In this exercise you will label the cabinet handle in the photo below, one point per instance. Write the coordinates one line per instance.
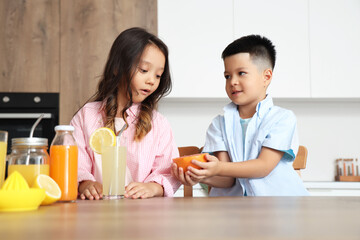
(24, 115)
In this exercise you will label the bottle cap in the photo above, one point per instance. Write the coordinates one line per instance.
(64, 128)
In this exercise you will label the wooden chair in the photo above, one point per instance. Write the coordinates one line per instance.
(300, 159)
(298, 164)
(183, 151)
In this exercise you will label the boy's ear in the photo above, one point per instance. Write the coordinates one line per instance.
(267, 76)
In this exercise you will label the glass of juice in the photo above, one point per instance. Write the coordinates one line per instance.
(113, 160)
(29, 157)
(3, 149)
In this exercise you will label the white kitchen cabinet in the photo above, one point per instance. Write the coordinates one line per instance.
(196, 33)
(317, 43)
(285, 23)
(335, 48)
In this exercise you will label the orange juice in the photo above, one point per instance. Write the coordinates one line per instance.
(3, 148)
(63, 169)
(29, 172)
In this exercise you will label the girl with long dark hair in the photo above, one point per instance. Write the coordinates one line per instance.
(135, 78)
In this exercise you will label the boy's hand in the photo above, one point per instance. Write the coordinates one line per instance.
(184, 178)
(143, 190)
(209, 169)
(90, 190)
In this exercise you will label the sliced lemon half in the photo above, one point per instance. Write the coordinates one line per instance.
(52, 189)
(102, 137)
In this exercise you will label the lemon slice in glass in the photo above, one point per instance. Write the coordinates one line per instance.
(102, 137)
(52, 189)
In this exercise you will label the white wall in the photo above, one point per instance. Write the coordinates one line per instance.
(329, 128)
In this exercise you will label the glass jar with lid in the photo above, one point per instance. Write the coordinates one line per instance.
(29, 157)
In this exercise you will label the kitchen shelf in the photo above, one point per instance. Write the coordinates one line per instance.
(348, 178)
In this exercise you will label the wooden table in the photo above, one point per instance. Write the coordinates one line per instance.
(190, 218)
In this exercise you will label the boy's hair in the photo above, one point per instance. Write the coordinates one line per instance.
(119, 70)
(260, 49)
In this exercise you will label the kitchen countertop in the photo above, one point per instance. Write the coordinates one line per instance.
(333, 185)
(316, 188)
(190, 218)
(333, 188)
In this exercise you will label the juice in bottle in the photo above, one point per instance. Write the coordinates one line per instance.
(64, 162)
(30, 172)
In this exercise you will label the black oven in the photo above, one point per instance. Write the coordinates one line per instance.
(19, 111)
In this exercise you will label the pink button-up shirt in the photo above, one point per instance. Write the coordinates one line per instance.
(147, 161)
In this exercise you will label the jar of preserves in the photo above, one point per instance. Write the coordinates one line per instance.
(29, 157)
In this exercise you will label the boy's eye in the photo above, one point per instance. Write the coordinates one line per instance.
(227, 76)
(241, 73)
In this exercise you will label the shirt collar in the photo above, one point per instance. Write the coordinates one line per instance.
(132, 111)
(261, 108)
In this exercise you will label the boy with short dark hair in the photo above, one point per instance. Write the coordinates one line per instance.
(254, 143)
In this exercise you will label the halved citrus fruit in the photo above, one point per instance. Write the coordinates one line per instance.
(102, 137)
(52, 189)
(185, 161)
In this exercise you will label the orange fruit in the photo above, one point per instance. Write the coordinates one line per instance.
(185, 161)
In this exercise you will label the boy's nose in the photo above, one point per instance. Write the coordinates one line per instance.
(234, 81)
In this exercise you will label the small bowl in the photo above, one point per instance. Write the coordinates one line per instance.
(185, 161)
(21, 200)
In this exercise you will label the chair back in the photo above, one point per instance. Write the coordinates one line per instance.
(189, 150)
(300, 159)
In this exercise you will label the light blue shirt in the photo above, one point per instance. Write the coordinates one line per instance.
(244, 123)
(271, 127)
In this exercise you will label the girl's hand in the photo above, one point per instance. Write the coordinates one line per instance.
(90, 190)
(143, 190)
(209, 169)
(184, 178)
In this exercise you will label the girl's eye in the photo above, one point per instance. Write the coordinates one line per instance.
(143, 70)
(158, 76)
(227, 76)
(241, 73)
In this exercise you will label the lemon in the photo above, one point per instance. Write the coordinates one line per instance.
(52, 189)
(102, 137)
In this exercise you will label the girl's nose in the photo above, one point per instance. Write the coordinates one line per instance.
(150, 80)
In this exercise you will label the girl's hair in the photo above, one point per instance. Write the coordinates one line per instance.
(119, 70)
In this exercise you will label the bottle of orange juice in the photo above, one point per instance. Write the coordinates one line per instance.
(64, 162)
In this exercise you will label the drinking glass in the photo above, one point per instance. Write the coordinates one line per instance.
(113, 160)
(3, 149)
